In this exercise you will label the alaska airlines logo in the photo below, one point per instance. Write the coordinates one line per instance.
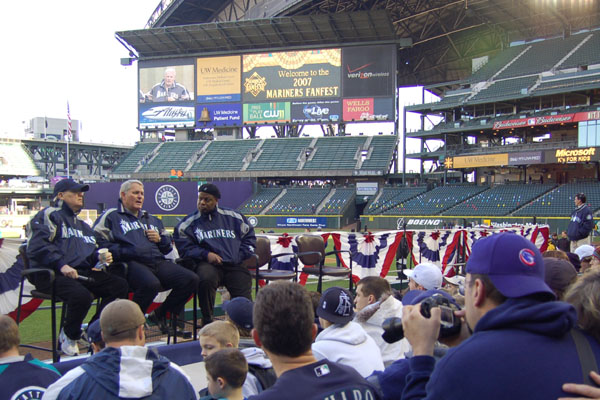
(169, 113)
(214, 234)
(167, 198)
(255, 84)
(68, 232)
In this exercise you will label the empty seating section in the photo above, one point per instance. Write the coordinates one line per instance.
(259, 201)
(225, 155)
(16, 160)
(299, 201)
(129, 164)
(391, 197)
(338, 202)
(335, 153)
(495, 64)
(587, 54)
(506, 88)
(560, 201)
(592, 79)
(279, 154)
(499, 200)
(172, 155)
(542, 56)
(436, 201)
(381, 156)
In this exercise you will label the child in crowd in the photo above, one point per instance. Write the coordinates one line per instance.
(220, 335)
(226, 371)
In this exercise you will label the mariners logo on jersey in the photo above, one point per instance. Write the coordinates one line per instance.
(127, 226)
(68, 232)
(167, 197)
(29, 393)
(214, 234)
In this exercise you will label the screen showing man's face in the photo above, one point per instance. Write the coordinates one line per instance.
(169, 78)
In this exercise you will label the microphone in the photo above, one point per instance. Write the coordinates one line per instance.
(85, 279)
(145, 217)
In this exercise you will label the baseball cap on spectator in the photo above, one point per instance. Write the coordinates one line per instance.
(457, 280)
(559, 274)
(336, 306)
(424, 294)
(584, 251)
(514, 264)
(210, 189)
(426, 274)
(65, 185)
(239, 310)
(574, 259)
(93, 332)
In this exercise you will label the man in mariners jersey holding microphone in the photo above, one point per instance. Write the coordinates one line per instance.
(215, 241)
(138, 238)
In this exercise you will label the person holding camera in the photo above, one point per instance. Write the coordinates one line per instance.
(519, 332)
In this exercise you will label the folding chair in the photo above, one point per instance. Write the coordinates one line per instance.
(36, 294)
(311, 251)
(264, 257)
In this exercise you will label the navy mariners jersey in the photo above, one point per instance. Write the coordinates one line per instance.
(222, 231)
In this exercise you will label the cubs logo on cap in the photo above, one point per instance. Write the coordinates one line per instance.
(527, 257)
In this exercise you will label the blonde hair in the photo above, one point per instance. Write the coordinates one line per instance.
(223, 332)
(584, 295)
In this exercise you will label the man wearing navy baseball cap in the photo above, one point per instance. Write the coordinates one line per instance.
(61, 242)
(518, 333)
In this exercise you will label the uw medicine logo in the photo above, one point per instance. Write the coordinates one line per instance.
(167, 198)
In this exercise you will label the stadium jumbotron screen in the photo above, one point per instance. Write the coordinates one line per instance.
(352, 84)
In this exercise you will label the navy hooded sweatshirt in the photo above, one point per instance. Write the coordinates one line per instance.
(521, 349)
(222, 231)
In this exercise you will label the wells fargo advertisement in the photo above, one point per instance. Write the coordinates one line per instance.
(218, 79)
(291, 75)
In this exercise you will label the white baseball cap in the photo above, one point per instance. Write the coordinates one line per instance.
(427, 275)
(584, 251)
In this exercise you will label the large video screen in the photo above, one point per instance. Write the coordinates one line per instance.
(352, 84)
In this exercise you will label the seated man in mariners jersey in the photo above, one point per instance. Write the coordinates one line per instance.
(139, 239)
(216, 241)
(63, 243)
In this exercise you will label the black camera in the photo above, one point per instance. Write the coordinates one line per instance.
(449, 326)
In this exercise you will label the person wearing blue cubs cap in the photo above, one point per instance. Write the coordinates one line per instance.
(521, 343)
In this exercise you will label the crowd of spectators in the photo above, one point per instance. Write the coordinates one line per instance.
(517, 325)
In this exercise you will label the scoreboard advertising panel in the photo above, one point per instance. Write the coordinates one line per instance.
(352, 84)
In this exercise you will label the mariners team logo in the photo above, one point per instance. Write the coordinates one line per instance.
(167, 198)
(253, 221)
(29, 393)
(527, 257)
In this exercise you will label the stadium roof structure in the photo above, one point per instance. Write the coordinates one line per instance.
(445, 35)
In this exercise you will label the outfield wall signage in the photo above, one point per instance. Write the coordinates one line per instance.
(264, 113)
(291, 75)
(301, 222)
(567, 156)
(316, 111)
(227, 114)
(218, 79)
(527, 157)
(366, 188)
(486, 160)
(350, 84)
(547, 120)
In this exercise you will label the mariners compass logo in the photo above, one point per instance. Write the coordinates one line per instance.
(167, 198)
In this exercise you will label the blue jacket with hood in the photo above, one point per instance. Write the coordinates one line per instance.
(124, 235)
(521, 349)
(221, 231)
(57, 237)
(125, 372)
(582, 223)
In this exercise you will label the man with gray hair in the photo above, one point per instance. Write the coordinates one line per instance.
(125, 368)
(138, 238)
(168, 89)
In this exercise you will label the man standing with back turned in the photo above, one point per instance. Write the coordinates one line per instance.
(140, 239)
(215, 241)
